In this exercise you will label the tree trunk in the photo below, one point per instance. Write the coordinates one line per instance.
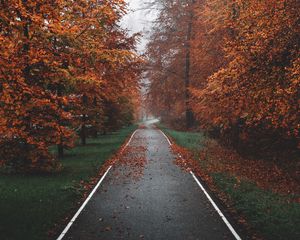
(84, 119)
(83, 134)
(60, 150)
(188, 111)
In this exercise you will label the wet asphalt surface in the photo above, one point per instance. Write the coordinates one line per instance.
(156, 200)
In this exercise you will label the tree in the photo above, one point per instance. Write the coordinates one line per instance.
(169, 60)
(255, 93)
(240, 62)
(53, 55)
(30, 68)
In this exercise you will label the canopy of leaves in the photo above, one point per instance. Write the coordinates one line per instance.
(59, 62)
(244, 67)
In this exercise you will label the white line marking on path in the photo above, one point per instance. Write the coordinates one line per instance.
(166, 137)
(67, 228)
(82, 206)
(130, 140)
(216, 208)
(237, 237)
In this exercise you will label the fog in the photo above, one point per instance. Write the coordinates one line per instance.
(139, 19)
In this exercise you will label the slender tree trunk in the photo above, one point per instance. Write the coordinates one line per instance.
(60, 150)
(60, 145)
(26, 70)
(83, 132)
(95, 133)
(84, 119)
(188, 111)
(26, 45)
(95, 127)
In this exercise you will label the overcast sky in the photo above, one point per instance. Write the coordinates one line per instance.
(138, 19)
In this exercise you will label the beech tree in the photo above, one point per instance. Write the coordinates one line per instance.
(244, 68)
(53, 55)
(169, 58)
(32, 76)
(257, 90)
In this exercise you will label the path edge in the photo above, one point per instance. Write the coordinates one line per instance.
(217, 209)
(73, 219)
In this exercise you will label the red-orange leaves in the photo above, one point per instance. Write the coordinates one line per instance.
(258, 89)
(52, 55)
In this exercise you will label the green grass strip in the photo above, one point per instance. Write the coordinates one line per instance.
(31, 205)
(269, 213)
(190, 140)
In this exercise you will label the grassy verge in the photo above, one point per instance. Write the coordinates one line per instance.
(31, 205)
(190, 140)
(272, 215)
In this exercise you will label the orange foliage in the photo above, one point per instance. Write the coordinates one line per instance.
(166, 55)
(52, 54)
(245, 65)
(259, 86)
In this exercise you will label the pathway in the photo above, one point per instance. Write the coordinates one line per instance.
(148, 197)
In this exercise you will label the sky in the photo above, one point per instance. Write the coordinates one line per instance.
(138, 19)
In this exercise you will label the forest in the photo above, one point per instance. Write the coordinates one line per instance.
(230, 68)
(67, 71)
(160, 134)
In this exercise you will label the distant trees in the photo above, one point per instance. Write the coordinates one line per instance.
(169, 61)
(244, 67)
(60, 63)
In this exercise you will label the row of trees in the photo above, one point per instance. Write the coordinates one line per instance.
(66, 68)
(234, 63)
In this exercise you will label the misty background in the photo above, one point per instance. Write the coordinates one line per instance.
(139, 20)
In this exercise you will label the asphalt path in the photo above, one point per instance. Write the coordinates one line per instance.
(146, 196)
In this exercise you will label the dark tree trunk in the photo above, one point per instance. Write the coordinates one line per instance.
(188, 111)
(26, 44)
(60, 150)
(60, 145)
(83, 134)
(94, 133)
(84, 119)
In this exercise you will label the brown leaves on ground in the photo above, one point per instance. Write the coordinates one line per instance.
(186, 161)
(266, 174)
(132, 162)
(132, 158)
(215, 158)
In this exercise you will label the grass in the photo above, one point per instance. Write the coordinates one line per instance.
(270, 214)
(190, 140)
(31, 205)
